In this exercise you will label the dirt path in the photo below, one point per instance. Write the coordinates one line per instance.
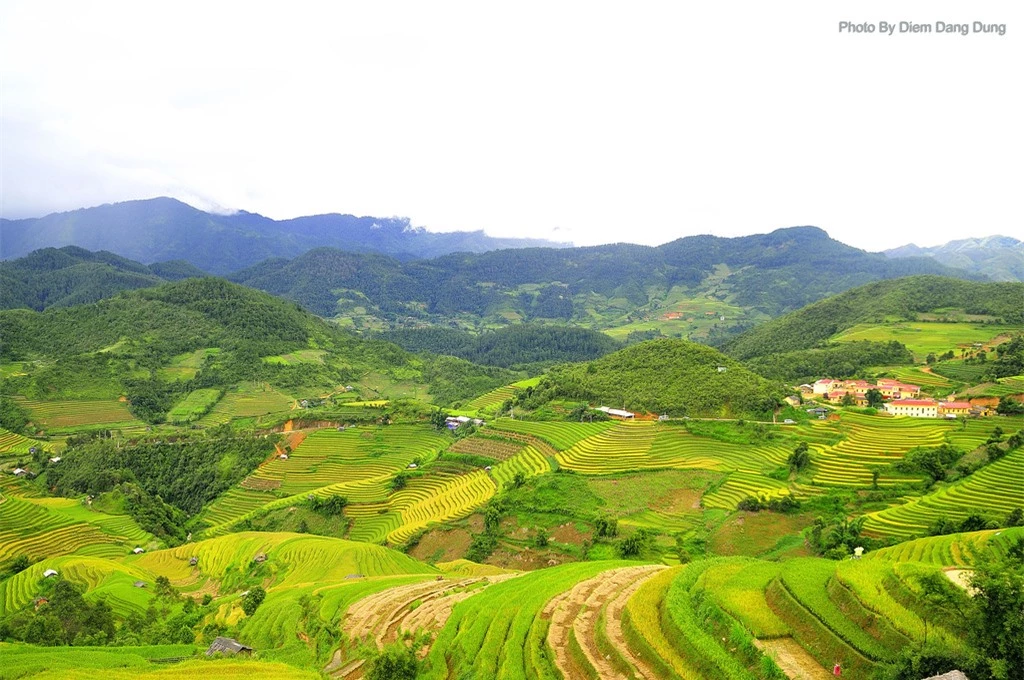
(793, 659)
(576, 613)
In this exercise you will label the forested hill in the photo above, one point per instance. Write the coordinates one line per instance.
(166, 229)
(67, 276)
(676, 377)
(523, 345)
(773, 273)
(125, 344)
(899, 298)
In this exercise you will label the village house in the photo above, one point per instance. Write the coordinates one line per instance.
(227, 646)
(915, 408)
(49, 572)
(792, 401)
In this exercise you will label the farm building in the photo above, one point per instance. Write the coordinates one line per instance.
(952, 675)
(226, 645)
(55, 459)
(139, 584)
(18, 472)
(792, 401)
(617, 413)
(260, 558)
(952, 409)
(193, 562)
(138, 551)
(915, 408)
(49, 572)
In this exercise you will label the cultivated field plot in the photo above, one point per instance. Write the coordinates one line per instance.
(302, 356)
(561, 435)
(917, 375)
(923, 337)
(646, 445)
(489, 446)
(872, 442)
(246, 401)
(13, 443)
(57, 416)
(356, 454)
(952, 550)
(186, 366)
(497, 397)
(994, 491)
(47, 527)
(193, 406)
(1004, 387)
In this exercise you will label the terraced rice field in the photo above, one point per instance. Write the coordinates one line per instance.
(872, 441)
(994, 490)
(952, 550)
(924, 337)
(68, 415)
(916, 375)
(438, 498)
(561, 435)
(497, 397)
(740, 485)
(329, 457)
(491, 447)
(47, 527)
(645, 445)
(186, 366)
(529, 461)
(11, 442)
(102, 577)
(247, 401)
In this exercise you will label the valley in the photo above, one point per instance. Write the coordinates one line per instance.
(200, 461)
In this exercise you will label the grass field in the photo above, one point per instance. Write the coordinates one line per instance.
(186, 366)
(925, 337)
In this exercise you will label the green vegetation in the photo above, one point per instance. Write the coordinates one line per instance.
(661, 376)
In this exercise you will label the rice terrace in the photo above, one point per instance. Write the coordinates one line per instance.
(679, 476)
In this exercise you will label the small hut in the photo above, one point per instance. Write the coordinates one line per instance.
(260, 558)
(227, 646)
(139, 584)
(49, 572)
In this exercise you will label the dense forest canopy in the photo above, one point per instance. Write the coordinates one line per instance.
(512, 346)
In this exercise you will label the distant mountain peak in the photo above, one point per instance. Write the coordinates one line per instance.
(998, 257)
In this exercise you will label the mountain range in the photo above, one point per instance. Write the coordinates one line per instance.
(160, 229)
(1000, 258)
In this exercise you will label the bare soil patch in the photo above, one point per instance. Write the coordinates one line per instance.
(568, 533)
(442, 545)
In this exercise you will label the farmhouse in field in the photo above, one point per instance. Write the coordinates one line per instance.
(49, 572)
(226, 645)
(952, 675)
(139, 584)
(138, 551)
(18, 472)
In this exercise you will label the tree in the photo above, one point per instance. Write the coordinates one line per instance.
(1008, 406)
(252, 601)
(395, 662)
(875, 398)
(800, 458)
(848, 400)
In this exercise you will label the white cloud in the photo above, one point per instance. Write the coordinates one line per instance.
(596, 122)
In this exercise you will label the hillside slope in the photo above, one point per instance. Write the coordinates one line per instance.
(899, 298)
(771, 273)
(68, 276)
(663, 376)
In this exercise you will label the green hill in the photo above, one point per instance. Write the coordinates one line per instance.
(158, 344)
(68, 276)
(664, 376)
(898, 299)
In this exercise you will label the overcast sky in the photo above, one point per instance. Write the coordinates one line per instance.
(588, 122)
